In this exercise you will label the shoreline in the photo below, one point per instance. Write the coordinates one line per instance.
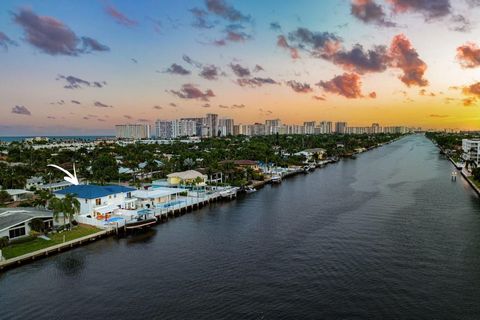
(455, 165)
(12, 263)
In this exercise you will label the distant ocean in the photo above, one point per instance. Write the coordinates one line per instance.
(57, 138)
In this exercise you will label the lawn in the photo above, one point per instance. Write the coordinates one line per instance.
(476, 182)
(24, 247)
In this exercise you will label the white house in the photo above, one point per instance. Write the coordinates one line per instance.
(471, 150)
(19, 194)
(15, 222)
(98, 200)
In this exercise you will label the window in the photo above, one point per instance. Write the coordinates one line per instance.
(18, 232)
(129, 194)
(98, 201)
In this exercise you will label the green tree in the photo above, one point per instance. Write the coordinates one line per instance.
(104, 168)
(4, 197)
(37, 225)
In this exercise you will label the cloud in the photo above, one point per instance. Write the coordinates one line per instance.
(424, 92)
(5, 41)
(206, 105)
(126, 116)
(200, 19)
(89, 45)
(190, 61)
(283, 43)
(209, 72)
(347, 85)
(143, 120)
(134, 60)
(258, 68)
(233, 33)
(275, 26)
(406, 58)
(52, 36)
(370, 12)
(223, 106)
(430, 9)
(75, 101)
(321, 98)
(221, 9)
(177, 69)
(318, 44)
(77, 83)
(472, 92)
(238, 106)
(255, 82)
(21, 110)
(239, 70)
(101, 105)
(439, 116)
(119, 17)
(460, 23)
(51, 117)
(360, 61)
(157, 107)
(189, 91)
(299, 87)
(372, 95)
(468, 55)
(174, 105)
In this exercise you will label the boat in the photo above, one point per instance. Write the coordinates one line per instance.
(250, 189)
(276, 178)
(306, 169)
(140, 223)
(312, 167)
(228, 193)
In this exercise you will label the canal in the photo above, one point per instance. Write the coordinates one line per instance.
(385, 236)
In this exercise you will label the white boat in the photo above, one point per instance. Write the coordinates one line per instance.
(276, 179)
(250, 189)
(228, 193)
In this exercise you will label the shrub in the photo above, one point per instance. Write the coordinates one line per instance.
(3, 242)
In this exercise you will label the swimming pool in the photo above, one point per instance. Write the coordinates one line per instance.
(114, 219)
(170, 204)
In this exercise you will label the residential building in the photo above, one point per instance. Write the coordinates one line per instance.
(310, 127)
(471, 150)
(184, 128)
(211, 122)
(340, 127)
(226, 126)
(15, 222)
(325, 127)
(189, 177)
(34, 183)
(199, 124)
(132, 131)
(272, 126)
(376, 128)
(99, 200)
(19, 194)
(164, 129)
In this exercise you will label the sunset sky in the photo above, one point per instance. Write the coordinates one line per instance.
(80, 67)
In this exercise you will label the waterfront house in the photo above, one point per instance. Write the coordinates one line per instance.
(242, 164)
(157, 197)
(189, 177)
(99, 201)
(15, 222)
(33, 183)
(55, 186)
(19, 194)
(471, 150)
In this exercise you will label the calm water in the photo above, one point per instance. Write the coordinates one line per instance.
(386, 236)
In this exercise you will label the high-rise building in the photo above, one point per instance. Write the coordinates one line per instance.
(199, 123)
(132, 131)
(184, 128)
(272, 126)
(325, 127)
(257, 129)
(471, 150)
(211, 122)
(310, 127)
(225, 126)
(164, 129)
(340, 127)
(376, 128)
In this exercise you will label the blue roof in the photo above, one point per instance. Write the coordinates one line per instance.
(92, 191)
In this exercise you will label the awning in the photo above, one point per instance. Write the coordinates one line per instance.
(106, 209)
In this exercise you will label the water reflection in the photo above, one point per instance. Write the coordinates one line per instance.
(70, 263)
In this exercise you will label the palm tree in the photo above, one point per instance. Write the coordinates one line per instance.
(43, 196)
(56, 205)
(71, 206)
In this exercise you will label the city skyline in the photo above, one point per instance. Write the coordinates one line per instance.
(359, 61)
